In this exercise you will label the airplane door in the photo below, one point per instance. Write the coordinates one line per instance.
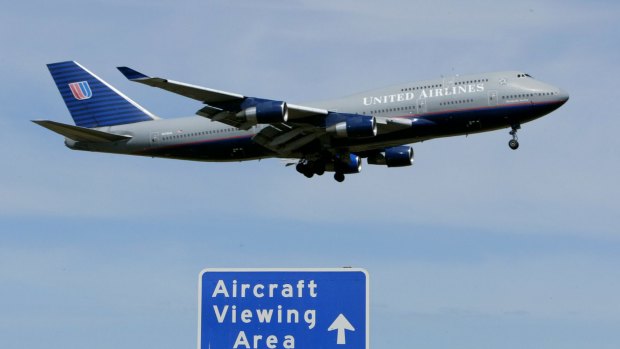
(448, 82)
(421, 105)
(492, 98)
(154, 139)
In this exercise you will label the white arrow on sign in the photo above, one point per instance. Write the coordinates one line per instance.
(341, 324)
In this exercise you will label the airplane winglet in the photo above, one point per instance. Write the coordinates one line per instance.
(132, 74)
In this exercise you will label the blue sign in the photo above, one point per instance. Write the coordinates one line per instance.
(283, 308)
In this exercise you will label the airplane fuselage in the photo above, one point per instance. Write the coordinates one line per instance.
(444, 107)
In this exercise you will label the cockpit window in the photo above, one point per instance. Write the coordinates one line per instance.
(523, 75)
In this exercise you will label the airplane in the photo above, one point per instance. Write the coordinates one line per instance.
(329, 136)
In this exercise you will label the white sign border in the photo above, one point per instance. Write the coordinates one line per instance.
(251, 270)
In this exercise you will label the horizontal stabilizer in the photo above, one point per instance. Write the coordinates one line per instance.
(80, 134)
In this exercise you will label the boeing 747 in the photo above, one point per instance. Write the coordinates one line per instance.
(324, 136)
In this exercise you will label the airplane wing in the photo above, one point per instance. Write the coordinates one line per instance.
(199, 93)
(387, 124)
(210, 96)
(290, 126)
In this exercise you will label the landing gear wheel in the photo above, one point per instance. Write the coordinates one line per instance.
(513, 144)
(300, 167)
(305, 169)
(339, 177)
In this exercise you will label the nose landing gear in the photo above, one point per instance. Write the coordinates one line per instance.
(514, 142)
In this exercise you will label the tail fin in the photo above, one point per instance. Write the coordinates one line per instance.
(91, 101)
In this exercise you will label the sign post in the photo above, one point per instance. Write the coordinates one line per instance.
(283, 308)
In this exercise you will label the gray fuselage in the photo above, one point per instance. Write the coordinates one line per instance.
(453, 106)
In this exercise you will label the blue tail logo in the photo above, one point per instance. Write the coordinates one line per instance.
(93, 102)
(81, 90)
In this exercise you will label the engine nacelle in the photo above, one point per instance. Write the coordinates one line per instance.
(353, 126)
(393, 157)
(265, 113)
(346, 164)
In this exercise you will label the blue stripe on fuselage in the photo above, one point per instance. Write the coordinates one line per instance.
(536, 110)
(222, 149)
(448, 122)
(455, 122)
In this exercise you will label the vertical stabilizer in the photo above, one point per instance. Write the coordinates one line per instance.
(91, 101)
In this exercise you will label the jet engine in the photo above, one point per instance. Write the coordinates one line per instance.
(265, 113)
(393, 157)
(352, 126)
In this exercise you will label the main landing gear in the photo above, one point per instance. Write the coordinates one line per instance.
(310, 168)
(339, 176)
(514, 142)
(316, 167)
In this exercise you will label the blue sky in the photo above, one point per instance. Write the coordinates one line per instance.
(475, 246)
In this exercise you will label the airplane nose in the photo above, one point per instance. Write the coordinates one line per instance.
(563, 96)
